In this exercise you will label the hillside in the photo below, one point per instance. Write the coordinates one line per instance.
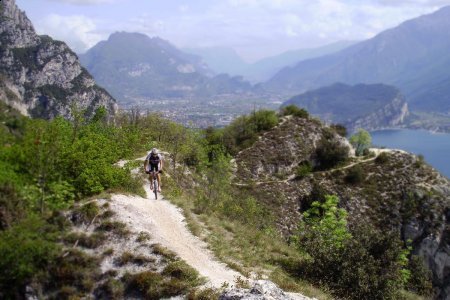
(133, 66)
(413, 56)
(42, 77)
(393, 192)
(361, 106)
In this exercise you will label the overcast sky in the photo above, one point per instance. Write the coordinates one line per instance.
(254, 28)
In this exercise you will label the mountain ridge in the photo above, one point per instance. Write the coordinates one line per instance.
(405, 56)
(44, 75)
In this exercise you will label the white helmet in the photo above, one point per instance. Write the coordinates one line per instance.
(154, 151)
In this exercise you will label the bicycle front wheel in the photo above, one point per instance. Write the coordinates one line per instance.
(155, 189)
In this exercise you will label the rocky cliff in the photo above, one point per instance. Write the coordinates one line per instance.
(43, 77)
(394, 191)
(368, 106)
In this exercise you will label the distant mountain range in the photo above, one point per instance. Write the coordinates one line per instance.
(365, 106)
(133, 66)
(41, 77)
(415, 57)
(226, 60)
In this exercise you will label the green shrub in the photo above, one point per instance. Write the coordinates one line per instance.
(294, 110)
(361, 141)
(355, 175)
(361, 264)
(420, 281)
(303, 169)
(382, 158)
(330, 152)
(26, 250)
(340, 129)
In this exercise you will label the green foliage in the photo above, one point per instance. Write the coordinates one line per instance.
(327, 223)
(339, 129)
(25, 250)
(294, 110)
(361, 141)
(420, 279)
(382, 158)
(179, 280)
(359, 264)
(243, 131)
(303, 169)
(330, 152)
(355, 175)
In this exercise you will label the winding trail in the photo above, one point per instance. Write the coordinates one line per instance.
(166, 225)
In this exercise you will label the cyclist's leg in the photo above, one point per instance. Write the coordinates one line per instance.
(158, 177)
(151, 175)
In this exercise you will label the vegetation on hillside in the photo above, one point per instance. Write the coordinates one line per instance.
(48, 167)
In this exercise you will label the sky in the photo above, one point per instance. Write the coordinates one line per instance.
(254, 28)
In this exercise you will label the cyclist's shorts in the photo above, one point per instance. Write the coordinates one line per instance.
(154, 167)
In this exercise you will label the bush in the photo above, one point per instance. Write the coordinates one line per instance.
(303, 169)
(294, 110)
(340, 129)
(382, 158)
(359, 264)
(243, 131)
(26, 250)
(361, 141)
(355, 175)
(330, 152)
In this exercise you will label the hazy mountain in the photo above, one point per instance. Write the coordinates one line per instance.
(42, 77)
(133, 65)
(415, 56)
(370, 107)
(265, 68)
(226, 60)
(220, 59)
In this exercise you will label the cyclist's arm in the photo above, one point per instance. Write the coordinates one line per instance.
(161, 164)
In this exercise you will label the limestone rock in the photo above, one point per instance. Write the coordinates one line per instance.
(261, 290)
(44, 75)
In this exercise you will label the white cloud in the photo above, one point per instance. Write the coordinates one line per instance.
(84, 2)
(78, 31)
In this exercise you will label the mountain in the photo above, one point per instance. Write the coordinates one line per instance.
(134, 66)
(414, 56)
(392, 191)
(220, 59)
(370, 107)
(226, 60)
(42, 77)
(265, 68)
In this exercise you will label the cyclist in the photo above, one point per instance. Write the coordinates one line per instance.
(154, 163)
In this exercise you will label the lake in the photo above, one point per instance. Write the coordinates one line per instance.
(435, 147)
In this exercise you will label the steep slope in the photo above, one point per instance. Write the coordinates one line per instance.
(413, 56)
(133, 66)
(361, 106)
(397, 192)
(43, 76)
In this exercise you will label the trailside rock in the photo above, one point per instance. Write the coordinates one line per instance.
(261, 290)
(44, 76)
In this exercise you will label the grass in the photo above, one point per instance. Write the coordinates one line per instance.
(116, 227)
(243, 247)
(130, 258)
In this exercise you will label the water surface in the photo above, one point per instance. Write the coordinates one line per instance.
(435, 147)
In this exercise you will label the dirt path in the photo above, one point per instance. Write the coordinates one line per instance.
(166, 226)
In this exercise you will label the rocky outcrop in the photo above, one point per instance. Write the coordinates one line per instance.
(44, 75)
(261, 290)
(398, 193)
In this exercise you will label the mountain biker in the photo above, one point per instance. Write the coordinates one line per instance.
(154, 163)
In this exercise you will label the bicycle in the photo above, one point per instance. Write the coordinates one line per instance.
(155, 183)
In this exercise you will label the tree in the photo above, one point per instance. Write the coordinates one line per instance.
(361, 141)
